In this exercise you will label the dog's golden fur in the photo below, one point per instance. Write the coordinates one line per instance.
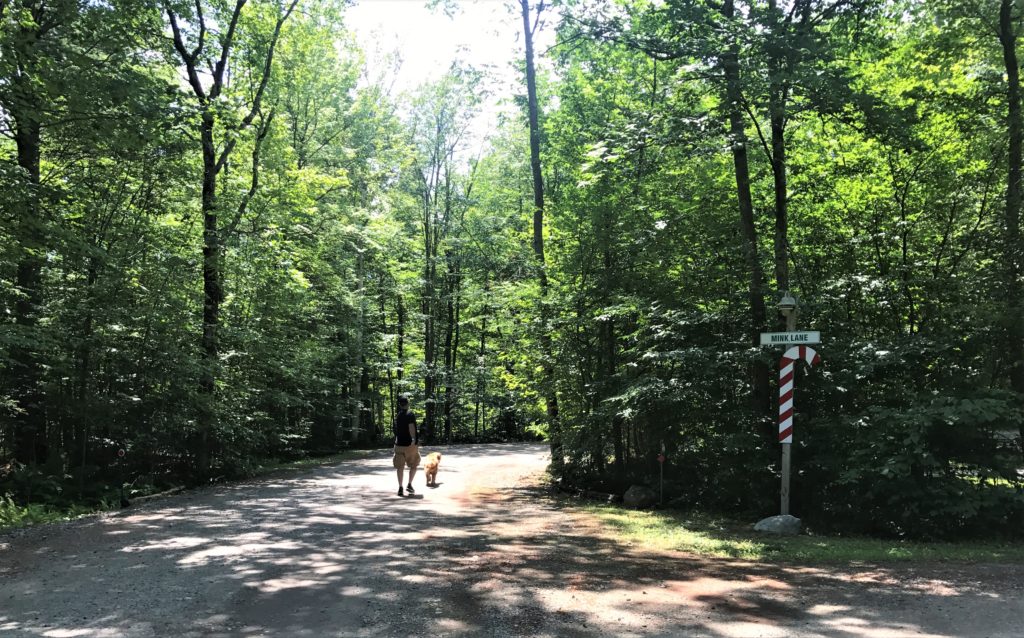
(432, 461)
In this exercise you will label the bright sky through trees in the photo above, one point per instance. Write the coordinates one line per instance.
(483, 33)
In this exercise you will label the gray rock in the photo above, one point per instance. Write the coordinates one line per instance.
(783, 525)
(638, 496)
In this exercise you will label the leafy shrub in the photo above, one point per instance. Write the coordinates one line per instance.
(931, 456)
(14, 515)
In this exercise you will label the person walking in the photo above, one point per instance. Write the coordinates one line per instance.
(407, 452)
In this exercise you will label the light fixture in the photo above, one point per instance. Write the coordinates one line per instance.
(788, 303)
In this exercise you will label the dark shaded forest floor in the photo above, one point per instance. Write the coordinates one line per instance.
(334, 552)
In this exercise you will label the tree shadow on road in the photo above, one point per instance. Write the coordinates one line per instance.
(328, 554)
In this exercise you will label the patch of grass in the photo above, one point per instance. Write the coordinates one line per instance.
(13, 515)
(718, 537)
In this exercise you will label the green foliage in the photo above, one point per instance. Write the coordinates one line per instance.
(908, 464)
(13, 515)
(893, 234)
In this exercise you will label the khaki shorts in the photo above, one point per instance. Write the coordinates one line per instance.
(408, 455)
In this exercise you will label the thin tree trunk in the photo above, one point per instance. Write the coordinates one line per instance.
(452, 390)
(734, 100)
(429, 348)
(214, 162)
(777, 107)
(391, 381)
(363, 421)
(26, 367)
(481, 359)
(451, 344)
(778, 97)
(480, 376)
(449, 340)
(213, 295)
(81, 420)
(547, 350)
(401, 340)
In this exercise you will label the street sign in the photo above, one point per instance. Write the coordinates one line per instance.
(786, 338)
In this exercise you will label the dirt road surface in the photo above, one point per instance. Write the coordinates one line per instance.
(334, 551)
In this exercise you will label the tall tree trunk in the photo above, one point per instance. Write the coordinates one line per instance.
(451, 355)
(428, 308)
(608, 346)
(452, 390)
(363, 422)
(755, 294)
(401, 340)
(26, 366)
(391, 380)
(80, 435)
(1012, 240)
(547, 350)
(213, 295)
(778, 94)
(449, 340)
(215, 161)
(610, 357)
(481, 359)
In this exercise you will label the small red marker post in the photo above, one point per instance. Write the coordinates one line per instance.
(661, 467)
(120, 457)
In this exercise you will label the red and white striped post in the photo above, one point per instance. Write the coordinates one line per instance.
(787, 369)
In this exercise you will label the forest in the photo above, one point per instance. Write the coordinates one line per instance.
(225, 239)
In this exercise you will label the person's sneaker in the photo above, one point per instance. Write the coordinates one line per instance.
(408, 488)
(400, 492)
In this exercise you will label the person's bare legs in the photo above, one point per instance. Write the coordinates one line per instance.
(401, 474)
(412, 473)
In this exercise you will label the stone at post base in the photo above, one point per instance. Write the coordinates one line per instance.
(782, 525)
(638, 496)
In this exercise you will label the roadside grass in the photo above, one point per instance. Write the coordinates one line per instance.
(13, 515)
(718, 537)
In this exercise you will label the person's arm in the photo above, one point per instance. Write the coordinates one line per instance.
(412, 430)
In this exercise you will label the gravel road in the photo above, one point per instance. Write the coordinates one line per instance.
(334, 552)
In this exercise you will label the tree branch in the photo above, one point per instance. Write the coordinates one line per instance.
(760, 134)
(268, 64)
(254, 183)
(186, 57)
(536, 22)
(225, 49)
(223, 159)
(202, 30)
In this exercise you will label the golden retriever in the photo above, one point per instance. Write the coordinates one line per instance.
(430, 466)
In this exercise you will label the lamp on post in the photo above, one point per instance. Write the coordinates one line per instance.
(788, 308)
